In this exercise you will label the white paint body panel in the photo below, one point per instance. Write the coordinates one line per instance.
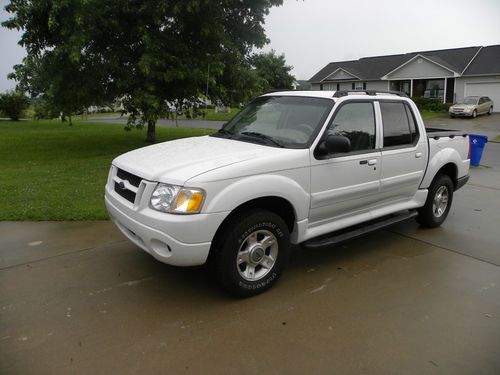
(326, 195)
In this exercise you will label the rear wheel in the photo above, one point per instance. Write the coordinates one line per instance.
(252, 253)
(490, 111)
(438, 203)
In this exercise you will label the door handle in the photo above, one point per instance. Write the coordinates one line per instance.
(372, 161)
(418, 155)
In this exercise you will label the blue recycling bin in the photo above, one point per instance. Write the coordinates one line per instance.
(477, 143)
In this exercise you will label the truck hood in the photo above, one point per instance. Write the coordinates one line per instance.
(177, 161)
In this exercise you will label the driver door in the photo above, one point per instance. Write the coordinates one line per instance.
(347, 184)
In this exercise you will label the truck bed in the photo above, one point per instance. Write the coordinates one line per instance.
(438, 133)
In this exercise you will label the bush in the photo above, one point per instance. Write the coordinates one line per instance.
(43, 110)
(13, 104)
(430, 104)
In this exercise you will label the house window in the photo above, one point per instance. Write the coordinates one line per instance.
(434, 88)
(359, 86)
(329, 86)
(338, 86)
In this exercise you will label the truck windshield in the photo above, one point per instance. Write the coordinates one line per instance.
(279, 121)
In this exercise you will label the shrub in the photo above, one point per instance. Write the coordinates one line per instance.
(430, 104)
(13, 104)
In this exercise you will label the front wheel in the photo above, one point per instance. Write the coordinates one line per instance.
(252, 253)
(474, 114)
(438, 203)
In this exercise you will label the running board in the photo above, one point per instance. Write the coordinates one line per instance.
(357, 230)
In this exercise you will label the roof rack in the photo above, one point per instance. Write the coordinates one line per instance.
(339, 94)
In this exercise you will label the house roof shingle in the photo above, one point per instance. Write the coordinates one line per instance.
(487, 61)
(455, 59)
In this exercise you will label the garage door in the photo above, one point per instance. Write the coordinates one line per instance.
(491, 89)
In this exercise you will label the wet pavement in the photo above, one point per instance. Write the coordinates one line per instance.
(77, 298)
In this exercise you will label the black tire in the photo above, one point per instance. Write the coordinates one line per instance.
(432, 214)
(490, 111)
(266, 235)
(474, 114)
(452, 115)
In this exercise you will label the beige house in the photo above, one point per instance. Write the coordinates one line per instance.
(448, 75)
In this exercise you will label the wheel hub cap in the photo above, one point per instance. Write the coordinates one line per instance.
(257, 255)
(440, 201)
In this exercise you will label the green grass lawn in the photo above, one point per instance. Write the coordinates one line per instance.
(218, 116)
(429, 115)
(51, 171)
(211, 115)
(97, 115)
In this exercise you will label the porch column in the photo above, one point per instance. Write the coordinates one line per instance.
(445, 83)
(411, 88)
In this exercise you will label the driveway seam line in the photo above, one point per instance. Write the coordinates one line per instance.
(60, 255)
(485, 187)
(444, 248)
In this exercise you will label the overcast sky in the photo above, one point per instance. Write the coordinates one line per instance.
(312, 33)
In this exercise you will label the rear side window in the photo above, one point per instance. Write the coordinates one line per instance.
(355, 121)
(399, 124)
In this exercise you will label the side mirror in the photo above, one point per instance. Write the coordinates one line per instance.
(334, 144)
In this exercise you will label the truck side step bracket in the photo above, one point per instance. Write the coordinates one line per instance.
(342, 235)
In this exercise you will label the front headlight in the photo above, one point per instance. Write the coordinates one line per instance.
(177, 200)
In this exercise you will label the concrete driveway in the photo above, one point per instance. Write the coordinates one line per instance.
(77, 298)
(488, 125)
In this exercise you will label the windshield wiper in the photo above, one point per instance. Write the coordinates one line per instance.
(224, 132)
(265, 137)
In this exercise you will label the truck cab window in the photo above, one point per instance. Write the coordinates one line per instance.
(397, 130)
(355, 121)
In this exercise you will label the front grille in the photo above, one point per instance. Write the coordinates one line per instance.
(120, 187)
(125, 193)
(124, 175)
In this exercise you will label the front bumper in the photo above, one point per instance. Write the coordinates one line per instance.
(461, 114)
(179, 240)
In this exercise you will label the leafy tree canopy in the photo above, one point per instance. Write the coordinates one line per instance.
(84, 52)
(272, 71)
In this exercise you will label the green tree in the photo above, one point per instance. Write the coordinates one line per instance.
(13, 104)
(148, 53)
(272, 71)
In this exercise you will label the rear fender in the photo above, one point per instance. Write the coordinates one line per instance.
(439, 160)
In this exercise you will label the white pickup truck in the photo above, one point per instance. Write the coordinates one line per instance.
(310, 168)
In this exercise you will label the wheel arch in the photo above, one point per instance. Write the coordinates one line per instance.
(278, 205)
(449, 169)
(446, 161)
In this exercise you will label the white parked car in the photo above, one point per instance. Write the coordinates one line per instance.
(472, 106)
(290, 168)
